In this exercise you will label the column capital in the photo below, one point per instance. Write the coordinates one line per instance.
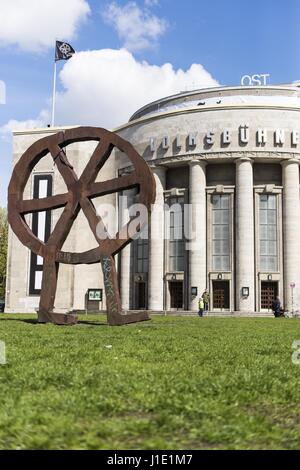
(289, 161)
(197, 162)
(157, 169)
(244, 159)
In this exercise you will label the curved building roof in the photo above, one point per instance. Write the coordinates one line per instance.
(281, 95)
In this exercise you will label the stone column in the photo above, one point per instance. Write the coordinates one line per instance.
(157, 242)
(245, 273)
(197, 231)
(291, 232)
(126, 252)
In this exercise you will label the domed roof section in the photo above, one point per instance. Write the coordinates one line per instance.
(281, 95)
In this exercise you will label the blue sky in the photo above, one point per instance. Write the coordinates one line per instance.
(228, 38)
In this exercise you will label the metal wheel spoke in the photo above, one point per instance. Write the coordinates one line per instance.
(94, 220)
(42, 204)
(63, 165)
(97, 160)
(123, 234)
(63, 226)
(113, 185)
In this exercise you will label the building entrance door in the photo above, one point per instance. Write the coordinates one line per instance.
(221, 295)
(141, 300)
(269, 290)
(176, 295)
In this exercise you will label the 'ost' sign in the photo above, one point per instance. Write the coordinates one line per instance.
(255, 80)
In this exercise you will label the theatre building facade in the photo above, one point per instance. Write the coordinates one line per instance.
(226, 166)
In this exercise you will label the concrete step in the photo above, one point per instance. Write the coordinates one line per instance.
(182, 313)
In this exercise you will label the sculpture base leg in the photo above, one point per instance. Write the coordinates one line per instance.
(57, 318)
(49, 282)
(124, 319)
(115, 317)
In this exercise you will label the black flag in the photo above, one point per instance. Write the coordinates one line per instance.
(63, 51)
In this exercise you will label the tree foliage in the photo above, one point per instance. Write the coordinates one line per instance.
(3, 250)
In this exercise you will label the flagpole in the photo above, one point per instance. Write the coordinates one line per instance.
(53, 96)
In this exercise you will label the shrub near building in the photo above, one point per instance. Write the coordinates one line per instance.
(3, 252)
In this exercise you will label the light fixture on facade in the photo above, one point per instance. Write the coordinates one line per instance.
(245, 292)
(194, 291)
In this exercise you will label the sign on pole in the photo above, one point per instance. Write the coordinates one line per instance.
(292, 286)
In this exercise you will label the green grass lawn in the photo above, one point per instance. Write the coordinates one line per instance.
(172, 383)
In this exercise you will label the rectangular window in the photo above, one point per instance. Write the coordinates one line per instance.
(176, 238)
(41, 227)
(141, 255)
(220, 232)
(268, 233)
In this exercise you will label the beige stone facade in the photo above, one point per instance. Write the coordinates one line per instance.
(229, 157)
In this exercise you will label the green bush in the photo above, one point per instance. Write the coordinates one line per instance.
(3, 251)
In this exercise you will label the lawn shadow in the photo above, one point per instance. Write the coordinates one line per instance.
(32, 321)
(95, 323)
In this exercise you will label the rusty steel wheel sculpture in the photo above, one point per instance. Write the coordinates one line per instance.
(80, 193)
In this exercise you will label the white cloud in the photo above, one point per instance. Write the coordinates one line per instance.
(104, 87)
(13, 125)
(151, 3)
(138, 28)
(33, 25)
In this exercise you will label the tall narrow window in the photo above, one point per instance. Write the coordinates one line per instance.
(220, 232)
(176, 242)
(141, 258)
(268, 233)
(41, 227)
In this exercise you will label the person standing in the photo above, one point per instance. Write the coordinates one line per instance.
(201, 307)
(206, 298)
(276, 307)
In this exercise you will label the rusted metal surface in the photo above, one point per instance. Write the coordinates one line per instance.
(80, 193)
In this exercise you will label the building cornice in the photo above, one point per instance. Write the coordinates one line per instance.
(206, 158)
(42, 130)
(165, 114)
(217, 92)
(271, 157)
(196, 109)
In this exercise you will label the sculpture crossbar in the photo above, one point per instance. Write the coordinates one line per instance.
(80, 193)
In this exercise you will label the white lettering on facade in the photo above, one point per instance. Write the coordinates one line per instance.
(210, 138)
(165, 143)
(152, 145)
(244, 134)
(295, 137)
(279, 137)
(226, 137)
(178, 142)
(262, 136)
(192, 140)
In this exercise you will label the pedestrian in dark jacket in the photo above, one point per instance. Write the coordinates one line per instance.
(276, 307)
(205, 297)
